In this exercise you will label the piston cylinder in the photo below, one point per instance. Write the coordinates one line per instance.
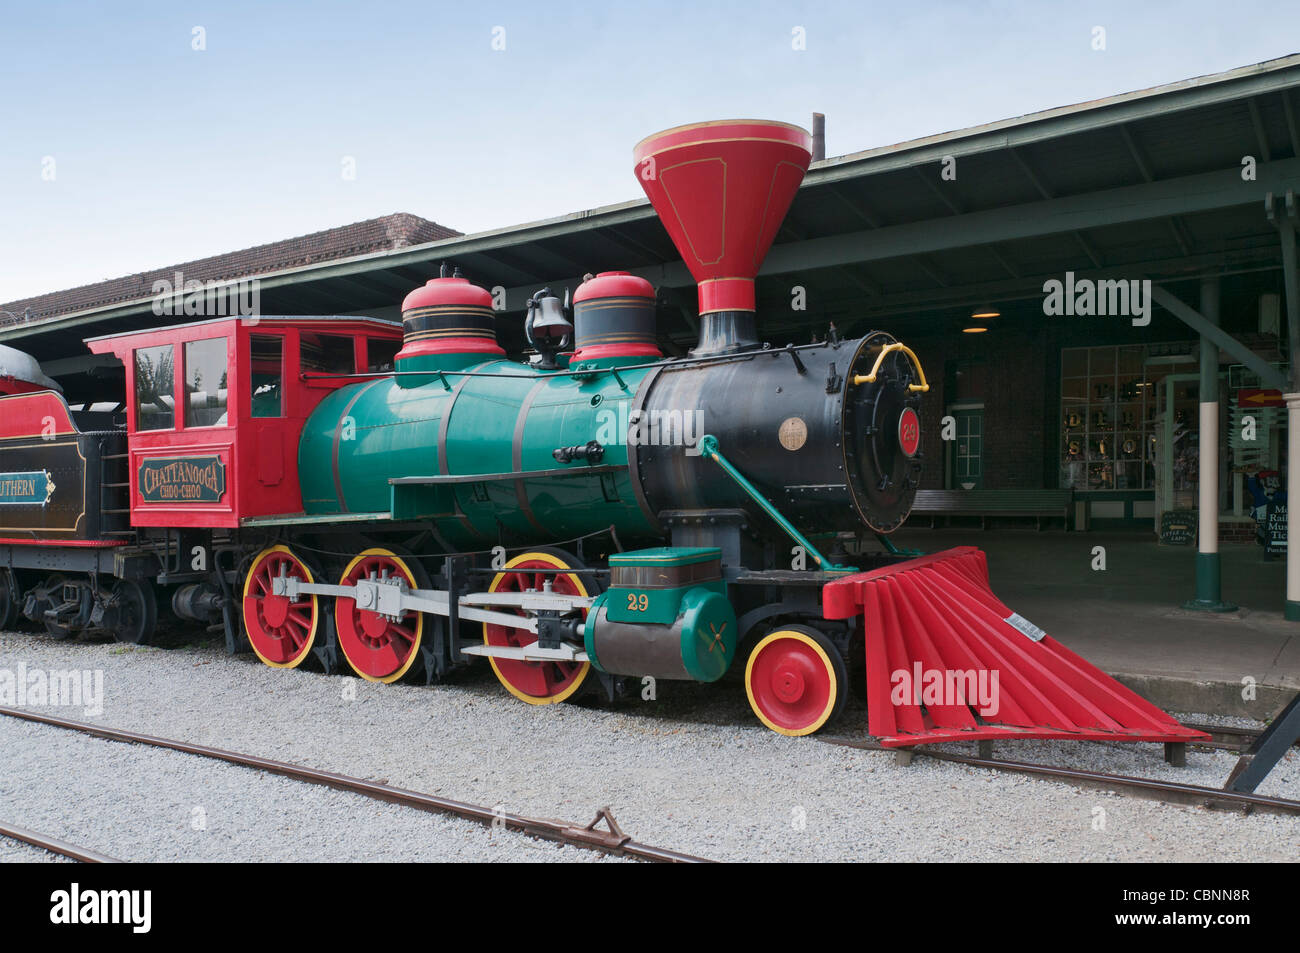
(666, 615)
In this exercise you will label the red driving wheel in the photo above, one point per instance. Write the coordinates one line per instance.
(538, 683)
(281, 632)
(379, 648)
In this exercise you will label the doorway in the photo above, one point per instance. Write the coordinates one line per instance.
(966, 453)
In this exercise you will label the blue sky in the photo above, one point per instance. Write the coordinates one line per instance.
(163, 153)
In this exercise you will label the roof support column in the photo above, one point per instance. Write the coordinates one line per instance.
(1211, 331)
(1285, 223)
(1209, 593)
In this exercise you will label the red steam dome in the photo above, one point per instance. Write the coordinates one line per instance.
(448, 316)
(722, 190)
(614, 317)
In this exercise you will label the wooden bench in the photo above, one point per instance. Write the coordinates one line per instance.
(1039, 504)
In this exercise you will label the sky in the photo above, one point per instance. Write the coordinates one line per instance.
(140, 135)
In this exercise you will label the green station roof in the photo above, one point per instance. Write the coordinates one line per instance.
(1147, 183)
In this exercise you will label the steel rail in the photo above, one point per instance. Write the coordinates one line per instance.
(1229, 737)
(1223, 737)
(1166, 791)
(610, 841)
(55, 846)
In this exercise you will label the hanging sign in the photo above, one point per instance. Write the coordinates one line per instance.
(1275, 529)
(1178, 527)
(1255, 397)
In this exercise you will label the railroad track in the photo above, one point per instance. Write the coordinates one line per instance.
(1227, 737)
(1171, 792)
(55, 846)
(1223, 737)
(610, 840)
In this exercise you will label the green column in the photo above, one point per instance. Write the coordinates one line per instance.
(1209, 594)
(1291, 281)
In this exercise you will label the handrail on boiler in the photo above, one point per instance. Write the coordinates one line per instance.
(860, 379)
(708, 447)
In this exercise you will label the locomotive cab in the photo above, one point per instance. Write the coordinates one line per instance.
(215, 409)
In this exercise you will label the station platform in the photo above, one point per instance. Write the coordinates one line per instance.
(1127, 620)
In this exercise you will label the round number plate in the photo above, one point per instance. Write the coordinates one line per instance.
(909, 431)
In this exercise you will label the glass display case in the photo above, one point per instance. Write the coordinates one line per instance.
(1111, 398)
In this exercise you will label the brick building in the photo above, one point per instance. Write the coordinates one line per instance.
(387, 233)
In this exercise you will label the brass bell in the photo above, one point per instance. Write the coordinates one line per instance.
(547, 327)
(547, 322)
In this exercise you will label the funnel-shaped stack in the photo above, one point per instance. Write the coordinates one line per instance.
(722, 190)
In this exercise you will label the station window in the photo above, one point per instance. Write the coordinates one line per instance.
(206, 373)
(266, 376)
(1111, 401)
(1105, 419)
(328, 354)
(381, 354)
(155, 388)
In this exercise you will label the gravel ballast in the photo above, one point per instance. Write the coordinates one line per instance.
(138, 803)
(691, 770)
(17, 852)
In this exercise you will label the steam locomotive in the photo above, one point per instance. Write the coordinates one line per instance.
(405, 500)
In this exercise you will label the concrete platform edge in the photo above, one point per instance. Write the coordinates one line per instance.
(1212, 698)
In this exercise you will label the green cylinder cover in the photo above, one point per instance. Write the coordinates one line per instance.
(698, 644)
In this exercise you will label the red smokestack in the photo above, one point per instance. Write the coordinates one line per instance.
(722, 190)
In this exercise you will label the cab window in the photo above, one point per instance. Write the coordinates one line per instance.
(328, 354)
(155, 388)
(206, 377)
(381, 354)
(266, 377)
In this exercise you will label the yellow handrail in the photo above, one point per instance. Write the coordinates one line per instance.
(860, 379)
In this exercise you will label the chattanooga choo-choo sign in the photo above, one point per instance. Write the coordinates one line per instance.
(181, 479)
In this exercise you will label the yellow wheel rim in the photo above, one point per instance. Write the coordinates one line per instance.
(556, 563)
(392, 557)
(791, 691)
(255, 627)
